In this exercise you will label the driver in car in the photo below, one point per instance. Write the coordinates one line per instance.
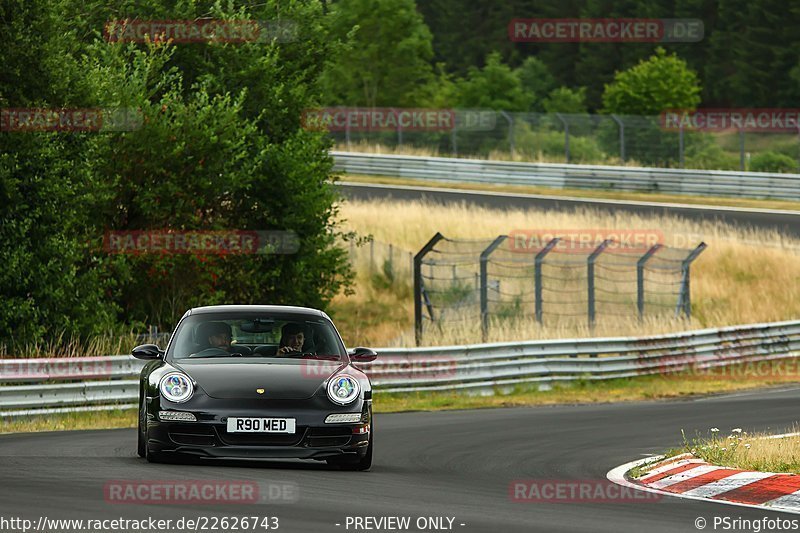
(292, 338)
(217, 338)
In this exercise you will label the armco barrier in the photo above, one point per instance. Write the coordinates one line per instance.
(480, 367)
(662, 180)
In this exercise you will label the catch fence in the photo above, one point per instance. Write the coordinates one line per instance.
(557, 280)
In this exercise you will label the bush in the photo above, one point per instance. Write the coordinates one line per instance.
(772, 162)
(703, 153)
(551, 144)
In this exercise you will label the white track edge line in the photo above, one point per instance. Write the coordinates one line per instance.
(617, 475)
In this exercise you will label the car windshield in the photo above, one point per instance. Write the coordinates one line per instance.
(260, 336)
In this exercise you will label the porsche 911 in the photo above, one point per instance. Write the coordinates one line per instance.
(252, 382)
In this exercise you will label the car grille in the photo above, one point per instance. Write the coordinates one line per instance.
(315, 437)
(192, 435)
(334, 436)
(261, 439)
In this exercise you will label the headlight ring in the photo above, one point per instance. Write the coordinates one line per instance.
(176, 387)
(343, 389)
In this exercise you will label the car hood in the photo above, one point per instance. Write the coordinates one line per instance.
(237, 379)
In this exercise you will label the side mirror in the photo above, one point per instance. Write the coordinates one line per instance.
(147, 352)
(362, 355)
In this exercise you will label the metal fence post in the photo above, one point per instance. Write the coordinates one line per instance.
(418, 285)
(590, 276)
(454, 141)
(680, 144)
(399, 133)
(685, 298)
(484, 285)
(621, 136)
(510, 120)
(537, 276)
(741, 149)
(347, 129)
(640, 278)
(566, 136)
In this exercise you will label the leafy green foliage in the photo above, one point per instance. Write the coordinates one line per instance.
(385, 57)
(565, 100)
(220, 147)
(495, 86)
(661, 83)
(772, 162)
(536, 79)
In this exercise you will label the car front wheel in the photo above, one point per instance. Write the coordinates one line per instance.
(142, 442)
(358, 463)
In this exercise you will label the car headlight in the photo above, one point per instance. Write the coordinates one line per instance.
(343, 389)
(176, 387)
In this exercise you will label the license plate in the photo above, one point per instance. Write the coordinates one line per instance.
(261, 425)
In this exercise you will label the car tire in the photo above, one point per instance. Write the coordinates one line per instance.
(151, 456)
(141, 448)
(155, 457)
(357, 464)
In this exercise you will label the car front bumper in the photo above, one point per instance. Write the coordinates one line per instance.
(208, 436)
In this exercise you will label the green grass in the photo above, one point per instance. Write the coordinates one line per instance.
(735, 448)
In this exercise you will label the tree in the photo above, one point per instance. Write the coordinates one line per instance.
(385, 57)
(566, 100)
(660, 83)
(50, 288)
(495, 86)
(536, 80)
(220, 147)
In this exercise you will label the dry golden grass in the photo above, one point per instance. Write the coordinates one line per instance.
(745, 275)
(494, 155)
(738, 449)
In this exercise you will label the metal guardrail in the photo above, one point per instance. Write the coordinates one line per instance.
(641, 179)
(479, 368)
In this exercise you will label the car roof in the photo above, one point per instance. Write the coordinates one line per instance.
(284, 309)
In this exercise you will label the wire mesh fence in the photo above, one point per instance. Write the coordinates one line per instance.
(585, 138)
(371, 256)
(558, 280)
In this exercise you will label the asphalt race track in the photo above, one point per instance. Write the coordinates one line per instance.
(785, 221)
(457, 464)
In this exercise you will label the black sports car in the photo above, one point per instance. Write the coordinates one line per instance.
(252, 381)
